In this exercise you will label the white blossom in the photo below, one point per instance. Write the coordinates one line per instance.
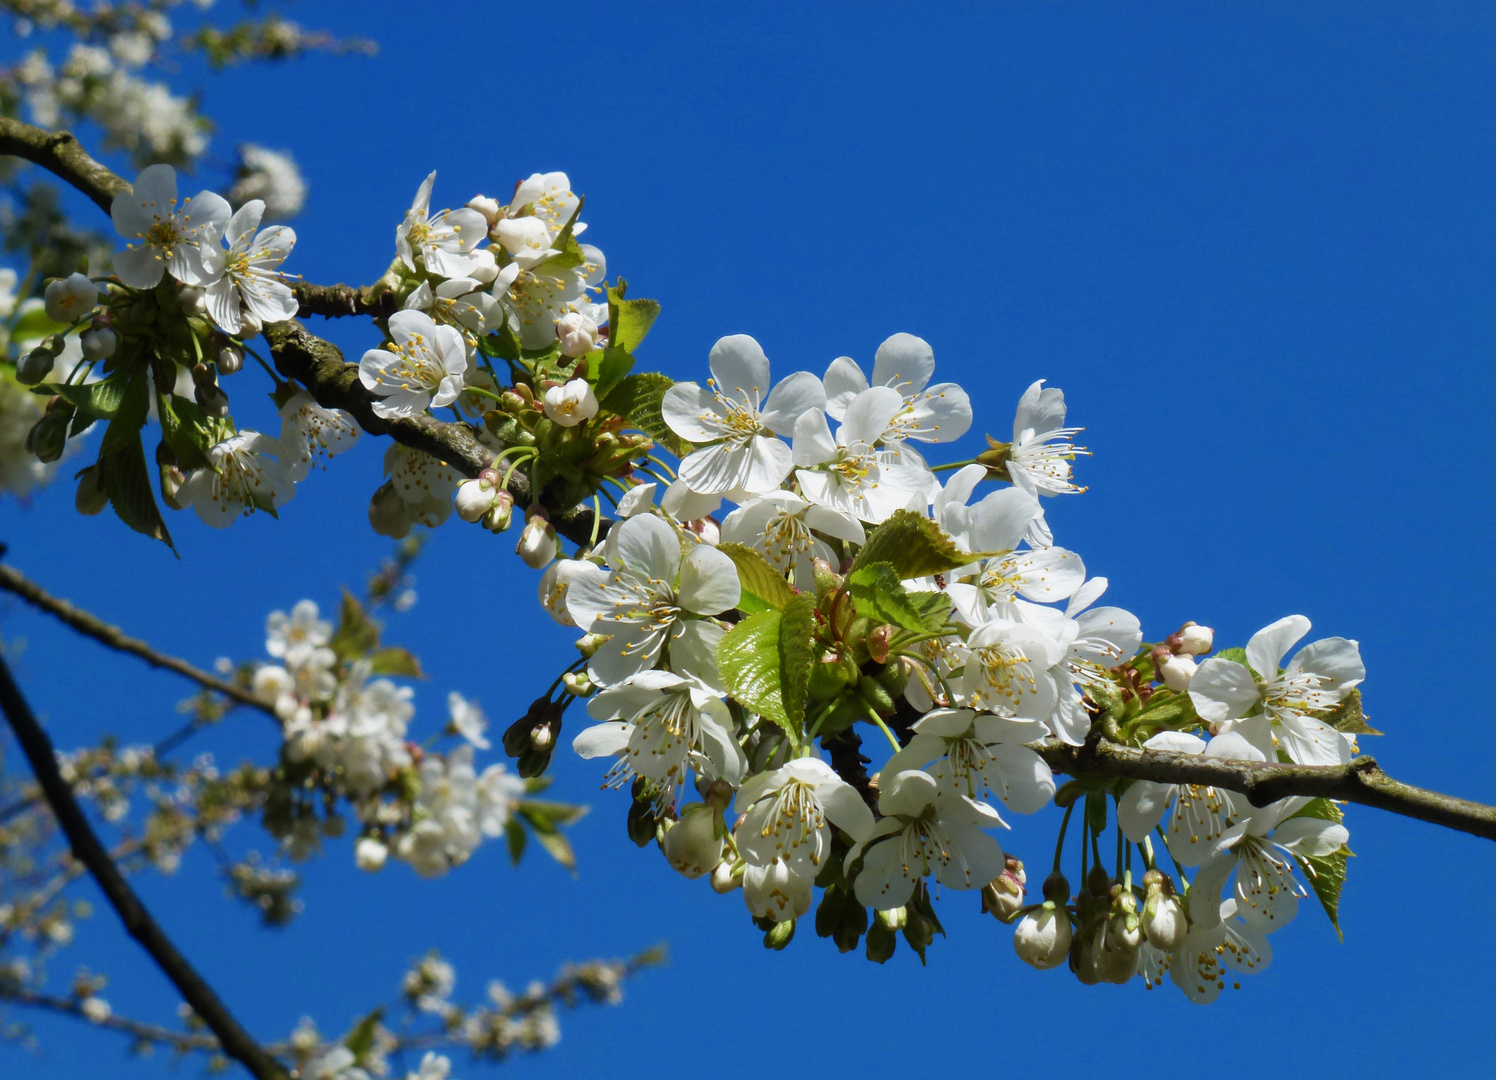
(309, 431)
(421, 367)
(444, 242)
(244, 275)
(243, 479)
(162, 236)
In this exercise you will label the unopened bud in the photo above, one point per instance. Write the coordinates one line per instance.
(693, 846)
(1124, 926)
(1196, 640)
(588, 644)
(578, 334)
(577, 683)
(249, 324)
(370, 854)
(49, 435)
(878, 641)
(91, 497)
(1002, 897)
(893, 918)
(780, 935)
(571, 404)
(34, 366)
(1164, 920)
(387, 513)
(211, 397)
(486, 206)
(724, 880)
(706, 528)
(230, 359)
(919, 931)
(474, 498)
(172, 479)
(1176, 673)
(500, 514)
(1041, 938)
(192, 300)
(98, 343)
(881, 942)
(537, 543)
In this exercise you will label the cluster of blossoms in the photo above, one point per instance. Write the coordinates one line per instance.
(346, 738)
(192, 263)
(808, 571)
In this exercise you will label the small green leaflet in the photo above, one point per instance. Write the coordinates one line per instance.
(127, 481)
(748, 658)
(130, 413)
(629, 320)
(878, 593)
(1325, 873)
(914, 546)
(360, 1040)
(357, 634)
(393, 660)
(187, 430)
(763, 586)
(98, 400)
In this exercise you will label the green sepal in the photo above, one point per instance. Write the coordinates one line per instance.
(360, 1040)
(763, 586)
(1325, 873)
(748, 659)
(914, 546)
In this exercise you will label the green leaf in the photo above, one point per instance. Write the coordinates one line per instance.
(127, 481)
(615, 364)
(98, 400)
(186, 429)
(638, 398)
(763, 586)
(130, 413)
(629, 320)
(914, 546)
(558, 813)
(515, 837)
(797, 654)
(394, 660)
(748, 658)
(1348, 716)
(554, 842)
(1326, 873)
(361, 1039)
(878, 593)
(358, 635)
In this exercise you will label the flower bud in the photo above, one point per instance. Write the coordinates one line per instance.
(1196, 640)
(1164, 920)
(577, 683)
(1002, 897)
(98, 343)
(588, 644)
(249, 324)
(34, 366)
(693, 846)
(1176, 673)
(387, 513)
(919, 931)
(49, 435)
(71, 298)
(474, 498)
(537, 543)
(893, 918)
(1124, 928)
(571, 404)
(192, 300)
(706, 528)
(230, 359)
(881, 942)
(211, 397)
(1041, 938)
(172, 479)
(486, 206)
(724, 880)
(578, 334)
(500, 514)
(780, 935)
(91, 497)
(370, 853)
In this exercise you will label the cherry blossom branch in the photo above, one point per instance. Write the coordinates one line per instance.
(1361, 781)
(139, 923)
(91, 626)
(336, 301)
(181, 1041)
(61, 154)
(319, 366)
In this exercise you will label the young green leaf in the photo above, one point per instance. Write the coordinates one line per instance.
(763, 586)
(1348, 716)
(127, 481)
(914, 546)
(1326, 873)
(748, 658)
(878, 593)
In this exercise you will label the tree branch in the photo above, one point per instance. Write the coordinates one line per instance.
(91, 626)
(138, 921)
(1361, 781)
(152, 1033)
(319, 366)
(336, 301)
(61, 154)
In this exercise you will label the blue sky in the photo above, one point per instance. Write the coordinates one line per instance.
(1252, 243)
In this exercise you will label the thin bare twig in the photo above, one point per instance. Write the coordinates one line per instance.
(139, 923)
